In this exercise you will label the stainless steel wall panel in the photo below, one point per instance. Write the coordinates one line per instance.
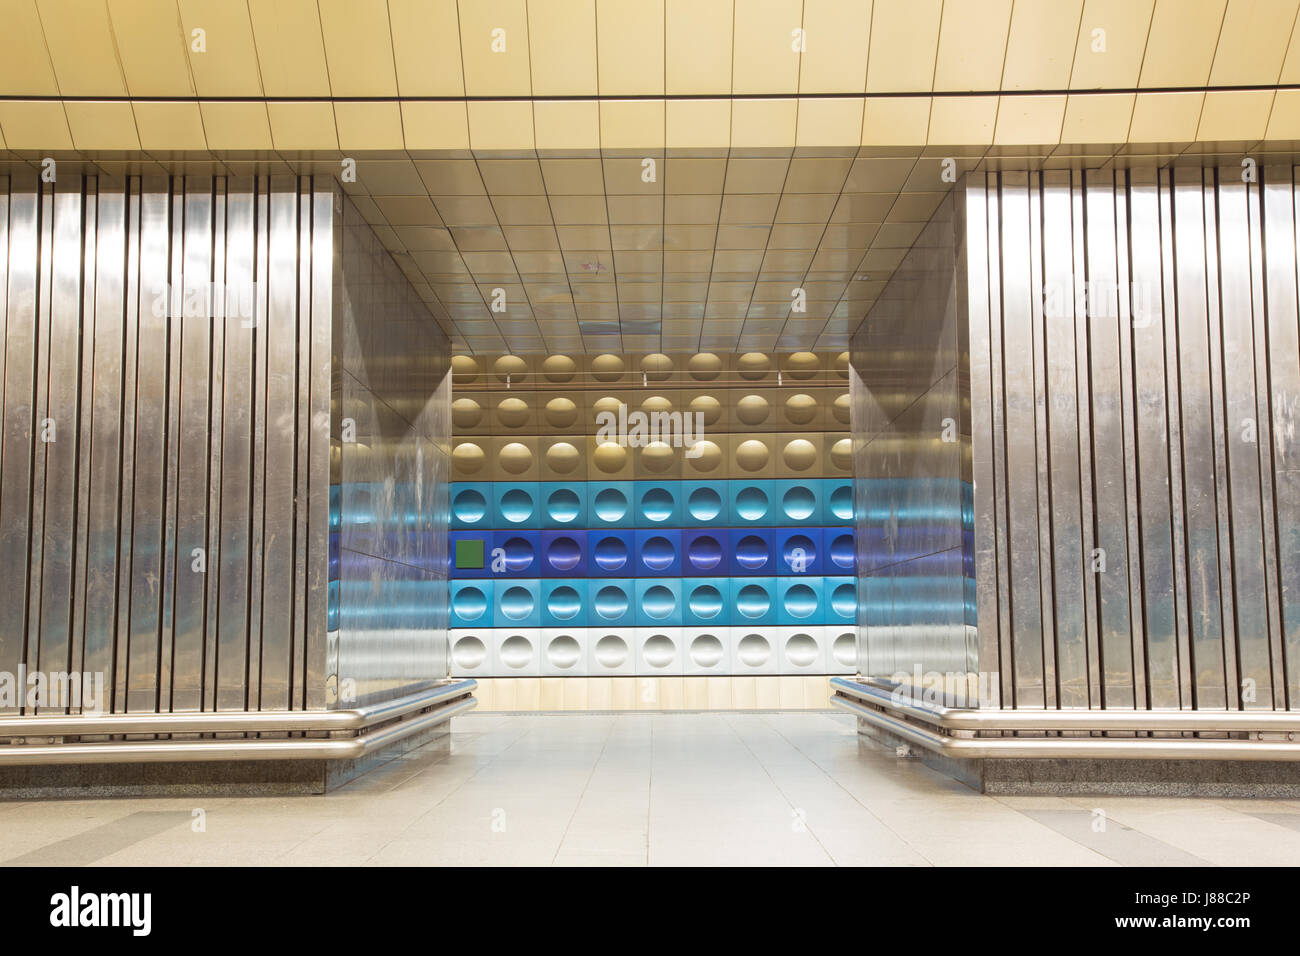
(1107, 568)
(85, 422)
(19, 421)
(1128, 401)
(166, 474)
(912, 484)
(235, 625)
(298, 654)
(212, 579)
(1203, 664)
(1142, 426)
(1177, 475)
(1268, 502)
(325, 219)
(1019, 382)
(253, 665)
(1280, 252)
(1083, 410)
(126, 495)
(149, 455)
(40, 427)
(975, 198)
(1222, 429)
(175, 311)
(1152, 442)
(1061, 474)
(281, 337)
(193, 447)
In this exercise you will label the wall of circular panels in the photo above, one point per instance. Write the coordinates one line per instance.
(643, 514)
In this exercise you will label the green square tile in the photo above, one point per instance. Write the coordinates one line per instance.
(469, 554)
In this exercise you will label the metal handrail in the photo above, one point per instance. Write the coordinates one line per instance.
(1131, 748)
(962, 719)
(215, 722)
(299, 748)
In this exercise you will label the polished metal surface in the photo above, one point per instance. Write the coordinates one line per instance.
(170, 511)
(1135, 386)
(1094, 748)
(372, 732)
(912, 482)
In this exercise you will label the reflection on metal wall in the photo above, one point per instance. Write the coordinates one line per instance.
(165, 507)
(912, 474)
(1135, 388)
(392, 393)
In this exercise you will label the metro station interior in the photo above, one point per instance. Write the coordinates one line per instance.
(650, 432)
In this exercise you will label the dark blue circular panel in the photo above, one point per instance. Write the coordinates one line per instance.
(704, 553)
(842, 551)
(563, 554)
(799, 546)
(519, 554)
(610, 554)
(657, 553)
(751, 552)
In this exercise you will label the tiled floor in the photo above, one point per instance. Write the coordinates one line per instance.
(683, 788)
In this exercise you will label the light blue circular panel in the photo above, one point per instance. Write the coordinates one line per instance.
(611, 505)
(516, 603)
(469, 506)
(516, 506)
(704, 504)
(798, 503)
(753, 601)
(563, 603)
(658, 602)
(563, 505)
(611, 602)
(751, 503)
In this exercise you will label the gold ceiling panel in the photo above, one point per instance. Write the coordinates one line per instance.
(80, 43)
(614, 217)
(147, 34)
(358, 44)
(227, 65)
(290, 52)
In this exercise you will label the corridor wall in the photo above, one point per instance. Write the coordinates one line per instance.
(225, 420)
(1134, 398)
(1114, 522)
(581, 553)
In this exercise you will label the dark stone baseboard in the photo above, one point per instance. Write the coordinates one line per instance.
(201, 778)
(1086, 775)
